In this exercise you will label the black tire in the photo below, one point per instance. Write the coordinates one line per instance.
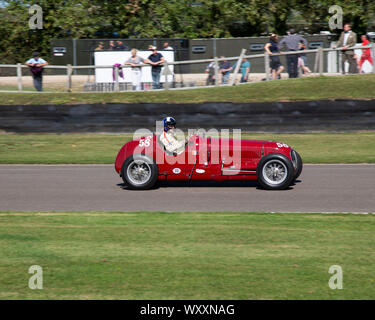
(299, 165)
(283, 165)
(149, 169)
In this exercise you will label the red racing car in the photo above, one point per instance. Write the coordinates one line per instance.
(144, 161)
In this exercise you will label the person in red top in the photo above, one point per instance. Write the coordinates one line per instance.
(366, 53)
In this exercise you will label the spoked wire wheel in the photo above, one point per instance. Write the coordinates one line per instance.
(275, 172)
(138, 172)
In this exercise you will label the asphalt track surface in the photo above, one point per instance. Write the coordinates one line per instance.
(321, 188)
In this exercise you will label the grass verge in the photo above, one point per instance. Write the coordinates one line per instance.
(109, 255)
(311, 88)
(102, 148)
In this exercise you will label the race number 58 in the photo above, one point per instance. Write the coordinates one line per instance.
(145, 142)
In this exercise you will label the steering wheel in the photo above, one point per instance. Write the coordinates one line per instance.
(190, 136)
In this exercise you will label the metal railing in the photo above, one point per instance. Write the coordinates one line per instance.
(116, 85)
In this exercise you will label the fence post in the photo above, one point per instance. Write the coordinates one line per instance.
(321, 53)
(117, 86)
(216, 72)
(238, 65)
(69, 71)
(19, 76)
(267, 65)
(166, 72)
(316, 61)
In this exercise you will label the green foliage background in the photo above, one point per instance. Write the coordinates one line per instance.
(160, 18)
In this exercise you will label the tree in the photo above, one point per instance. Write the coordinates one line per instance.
(162, 19)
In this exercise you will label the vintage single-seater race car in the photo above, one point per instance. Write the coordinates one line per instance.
(144, 161)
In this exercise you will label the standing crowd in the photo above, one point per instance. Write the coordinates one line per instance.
(297, 62)
(291, 42)
(347, 40)
(155, 59)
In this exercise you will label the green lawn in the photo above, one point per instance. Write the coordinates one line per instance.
(108, 255)
(16, 88)
(102, 148)
(310, 88)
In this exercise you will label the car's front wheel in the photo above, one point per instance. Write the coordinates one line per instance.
(139, 172)
(299, 165)
(275, 172)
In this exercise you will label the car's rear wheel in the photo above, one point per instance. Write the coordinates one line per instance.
(139, 172)
(275, 172)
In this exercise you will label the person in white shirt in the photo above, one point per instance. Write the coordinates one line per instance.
(36, 65)
(166, 46)
(136, 62)
(169, 140)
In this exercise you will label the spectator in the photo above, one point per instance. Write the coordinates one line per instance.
(225, 69)
(244, 69)
(348, 39)
(366, 53)
(100, 47)
(112, 45)
(120, 46)
(135, 62)
(166, 46)
(36, 65)
(302, 60)
(275, 64)
(210, 70)
(291, 42)
(156, 60)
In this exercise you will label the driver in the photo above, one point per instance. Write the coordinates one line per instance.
(168, 139)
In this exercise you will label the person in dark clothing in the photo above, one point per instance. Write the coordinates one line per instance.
(225, 69)
(36, 65)
(112, 45)
(120, 46)
(291, 42)
(275, 64)
(156, 60)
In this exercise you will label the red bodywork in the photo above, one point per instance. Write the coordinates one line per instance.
(204, 158)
